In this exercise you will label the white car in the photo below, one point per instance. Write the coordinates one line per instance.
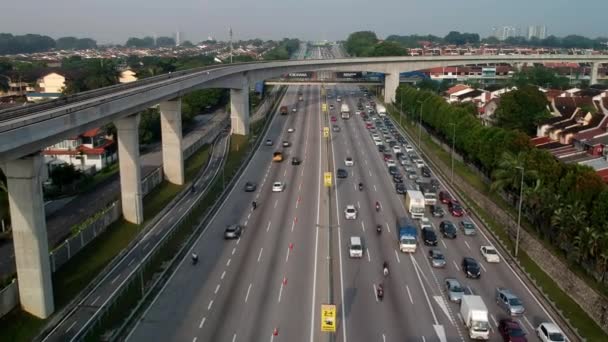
(396, 149)
(278, 187)
(391, 162)
(549, 332)
(348, 161)
(378, 142)
(268, 142)
(419, 163)
(375, 136)
(291, 130)
(350, 213)
(426, 223)
(490, 254)
(409, 148)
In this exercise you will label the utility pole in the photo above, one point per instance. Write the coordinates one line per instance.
(231, 45)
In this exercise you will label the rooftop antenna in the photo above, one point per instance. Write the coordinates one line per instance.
(231, 45)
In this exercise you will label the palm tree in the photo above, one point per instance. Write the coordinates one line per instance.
(507, 175)
(582, 242)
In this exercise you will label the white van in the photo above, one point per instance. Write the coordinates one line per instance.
(355, 248)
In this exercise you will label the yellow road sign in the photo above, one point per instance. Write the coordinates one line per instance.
(326, 132)
(328, 317)
(324, 107)
(327, 179)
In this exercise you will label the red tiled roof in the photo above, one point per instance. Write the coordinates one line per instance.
(603, 174)
(91, 133)
(540, 140)
(81, 150)
(457, 88)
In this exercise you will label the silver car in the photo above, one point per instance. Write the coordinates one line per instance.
(454, 289)
(509, 302)
(437, 258)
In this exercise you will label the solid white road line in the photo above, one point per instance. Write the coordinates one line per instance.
(494, 320)
(200, 326)
(280, 292)
(388, 227)
(223, 275)
(456, 265)
(228, 262)
(466, 243)
(482, 267)
(268, 227)
(375, 189)
(194, 339)
(444, 245)
(260, 255)
(363, 225)
(71, 326)
(115, 279)
(248, 290)
(409, 294)
(375, 292)
(397, 256)
(234, 337)
(287, 255)
(369, 258)
(210, 305)
(95, 301)
(233, 250)
(528, 322)
(217, 288)
(275, 203)
(293, 224)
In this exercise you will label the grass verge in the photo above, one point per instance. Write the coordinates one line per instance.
(70, 279)
(570, 309)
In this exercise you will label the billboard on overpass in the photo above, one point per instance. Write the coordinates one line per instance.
(305, 74)
(349, 74)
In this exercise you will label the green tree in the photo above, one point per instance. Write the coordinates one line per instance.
(458, 38)
(359, 44)
(388, 48)
(146, 42)
(522, 109)
(165, 41)
(65, 174)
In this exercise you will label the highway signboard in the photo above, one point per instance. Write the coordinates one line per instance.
(327, 179)
(324, 107)
(328, 317)
(325, 132)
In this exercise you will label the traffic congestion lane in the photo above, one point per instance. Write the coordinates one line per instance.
(189, 287)
(391, 207)
(493, 276)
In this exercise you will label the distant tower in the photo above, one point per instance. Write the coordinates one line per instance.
(177, 38)
(231, 45)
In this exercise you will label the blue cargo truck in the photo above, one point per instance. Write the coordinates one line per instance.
(407, 231)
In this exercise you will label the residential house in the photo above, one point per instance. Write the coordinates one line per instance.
(89, 152)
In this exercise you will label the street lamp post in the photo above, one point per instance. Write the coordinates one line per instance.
(420, 123)
(521, 198)
(453, 146)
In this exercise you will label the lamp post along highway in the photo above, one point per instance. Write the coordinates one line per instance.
(521, 197)
(452, 154)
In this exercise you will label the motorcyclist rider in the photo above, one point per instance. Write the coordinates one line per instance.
(377, 206)
(385, 268)
(194, 258)
(254, 205)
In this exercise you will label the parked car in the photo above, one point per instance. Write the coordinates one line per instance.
(490, 254)
(509, 302)
(250, 187)
(437, 258)
(511, 331)
(448, 229)
(233, 231)
(550, 332)
(471, 267)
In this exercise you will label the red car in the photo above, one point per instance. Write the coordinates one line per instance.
(511, 331)
(455, 209)
(369, 125)
(444, 197)
(333, 119)
(387, 156)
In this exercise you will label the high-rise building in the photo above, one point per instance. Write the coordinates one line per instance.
(504, 32)
(537, 31)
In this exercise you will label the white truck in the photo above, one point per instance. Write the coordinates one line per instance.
(345, 111)
(414, 203)
(475, 317)
(381, 110)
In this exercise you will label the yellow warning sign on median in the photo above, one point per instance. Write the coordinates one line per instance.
(327, 179)
(328, 317)
(324, 107)
(325, 132)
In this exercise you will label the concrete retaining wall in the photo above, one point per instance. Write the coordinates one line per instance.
(9, 298)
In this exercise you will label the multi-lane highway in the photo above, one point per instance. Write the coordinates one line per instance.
(293, 255)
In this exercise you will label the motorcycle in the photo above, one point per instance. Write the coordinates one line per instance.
(194, 259)
(360, 186)
(380, 292)
(385, 269)
(379, 229)
(377, 207)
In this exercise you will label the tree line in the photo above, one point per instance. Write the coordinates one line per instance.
(567, 204)
(284, 49)
(30, 43)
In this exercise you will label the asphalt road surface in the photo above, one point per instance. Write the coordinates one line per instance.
(293, 254)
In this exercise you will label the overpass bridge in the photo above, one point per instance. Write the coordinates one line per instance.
(25, 131)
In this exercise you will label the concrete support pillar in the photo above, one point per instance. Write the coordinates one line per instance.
(171, 130)
(29, 234)
(594, 72)
(391, 82)
(239, 108)
(130, 168)
(518, 66)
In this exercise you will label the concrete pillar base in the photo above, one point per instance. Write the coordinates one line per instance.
(29, 234)
(239, 109)
(391, 82)
(130, 168)
(171, 130)
(594, 72)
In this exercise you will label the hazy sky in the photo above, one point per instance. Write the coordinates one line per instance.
(116, 20)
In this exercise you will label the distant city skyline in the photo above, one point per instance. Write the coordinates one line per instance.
(113, 21)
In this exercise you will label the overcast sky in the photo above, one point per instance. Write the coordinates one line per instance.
(116, 20)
